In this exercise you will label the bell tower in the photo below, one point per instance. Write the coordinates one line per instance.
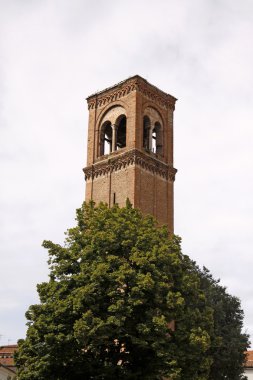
(130, 148)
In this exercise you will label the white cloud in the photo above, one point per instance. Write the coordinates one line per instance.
(56, 53)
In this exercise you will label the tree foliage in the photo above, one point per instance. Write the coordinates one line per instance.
(228, 342)
(107, 311)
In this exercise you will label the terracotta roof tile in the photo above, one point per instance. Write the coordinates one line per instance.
(249, 360)
(7, 355)
(8, 349)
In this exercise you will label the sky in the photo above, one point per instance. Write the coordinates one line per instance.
(55, 53)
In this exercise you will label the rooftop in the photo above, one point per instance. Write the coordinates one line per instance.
(8, 349)
(7, 355)
(249, 361)
(122, 83)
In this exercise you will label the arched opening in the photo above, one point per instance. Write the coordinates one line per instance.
(153, 140)
(157, 139)
(146, 132)
(121, 132)
(106, 139)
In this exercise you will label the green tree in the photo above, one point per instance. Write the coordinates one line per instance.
(229, 344)
(106, 312)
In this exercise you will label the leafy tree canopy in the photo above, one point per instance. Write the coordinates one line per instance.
(108, 310)
(228, 342)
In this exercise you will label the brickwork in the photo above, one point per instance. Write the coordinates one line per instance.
(142, 172)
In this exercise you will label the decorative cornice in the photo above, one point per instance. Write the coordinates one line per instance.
(131, 157)
(122, 89)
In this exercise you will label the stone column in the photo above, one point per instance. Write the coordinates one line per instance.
(150, 137)
(114, 137)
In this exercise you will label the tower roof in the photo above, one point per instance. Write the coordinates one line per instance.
(122, 88)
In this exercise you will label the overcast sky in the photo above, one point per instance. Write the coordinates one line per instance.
(53, 54)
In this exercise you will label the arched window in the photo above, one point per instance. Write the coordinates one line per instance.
(106, 139)
(146, 132)
(121, 132)
(157, 139)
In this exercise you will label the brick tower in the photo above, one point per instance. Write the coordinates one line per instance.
(130, 148)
